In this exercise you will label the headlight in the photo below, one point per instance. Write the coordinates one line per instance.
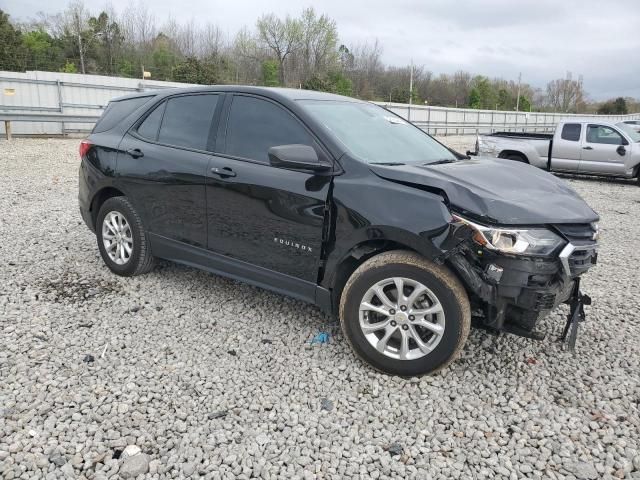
(532, 241)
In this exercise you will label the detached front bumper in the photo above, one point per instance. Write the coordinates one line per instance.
(515, 292)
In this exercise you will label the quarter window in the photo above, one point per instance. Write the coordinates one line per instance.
(150, 126)
(602, 134)
(256, 125)
(187, 121)
(571, 131)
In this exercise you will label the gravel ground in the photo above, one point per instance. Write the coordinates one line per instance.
(198, 375)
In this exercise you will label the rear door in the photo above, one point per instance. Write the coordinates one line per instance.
(163, 164)
(265, 216)
(566, 149)
(603, 150)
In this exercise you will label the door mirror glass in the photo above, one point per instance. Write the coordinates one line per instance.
(296, 156)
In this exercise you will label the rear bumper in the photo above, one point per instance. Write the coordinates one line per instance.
(84, 198)
(516, 292)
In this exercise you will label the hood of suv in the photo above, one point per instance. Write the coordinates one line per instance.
(500, 191)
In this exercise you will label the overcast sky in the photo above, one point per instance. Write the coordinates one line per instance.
(543, 39)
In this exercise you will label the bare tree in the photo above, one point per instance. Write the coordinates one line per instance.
(210, 42)
(565, 94)
(75, 23)
(319, 41)
(282, 37)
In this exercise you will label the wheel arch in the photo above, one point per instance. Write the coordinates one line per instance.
(506, 153)
(99, 198)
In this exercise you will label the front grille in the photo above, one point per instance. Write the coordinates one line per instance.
(581, 236)
(578, 234)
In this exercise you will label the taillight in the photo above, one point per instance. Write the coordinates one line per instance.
(85, 145)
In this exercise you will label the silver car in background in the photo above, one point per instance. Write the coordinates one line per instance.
(585, 146)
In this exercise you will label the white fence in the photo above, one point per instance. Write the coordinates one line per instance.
(52, 93)
(465, 121)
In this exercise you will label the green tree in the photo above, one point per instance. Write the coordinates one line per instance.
(340, 84)
(192, 70)
(163, 61)
(486, 92)
(474, 98)
(12, 51)
(270, 73)
(525, 104)
(620, 106)
(43, 52)
(69, 67)
(108, 42)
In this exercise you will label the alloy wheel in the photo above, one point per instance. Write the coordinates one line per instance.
(402, 318)
(117, 237)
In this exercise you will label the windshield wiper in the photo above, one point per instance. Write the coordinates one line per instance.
(387, 164)
(440, 162)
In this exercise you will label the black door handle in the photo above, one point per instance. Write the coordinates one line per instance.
(587, 148)
(135, 152)
(223, 172)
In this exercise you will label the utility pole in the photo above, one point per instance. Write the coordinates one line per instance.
(78, 26)
(410, 90)
(518, 97)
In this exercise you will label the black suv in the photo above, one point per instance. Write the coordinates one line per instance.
(336, 202)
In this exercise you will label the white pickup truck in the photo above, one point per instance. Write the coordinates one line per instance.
(591, 146)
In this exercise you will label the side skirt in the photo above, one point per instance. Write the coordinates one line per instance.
(179, 252)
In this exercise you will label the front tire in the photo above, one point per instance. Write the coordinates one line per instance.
(420, 331)
(122, 240)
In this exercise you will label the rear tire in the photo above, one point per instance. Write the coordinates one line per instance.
(122, 240)
(417, 333)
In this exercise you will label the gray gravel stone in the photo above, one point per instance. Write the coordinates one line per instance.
(133, 466)
(166, 383)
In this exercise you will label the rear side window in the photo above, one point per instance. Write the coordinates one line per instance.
(117, 111)
(150, 126)
(187, 121)
(256, 125)
(571, 131)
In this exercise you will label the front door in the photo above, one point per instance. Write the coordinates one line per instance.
(163, 165)
(603, 151)
(268, 217)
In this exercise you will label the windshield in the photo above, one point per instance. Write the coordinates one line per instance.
(629, 130)
(376, 136)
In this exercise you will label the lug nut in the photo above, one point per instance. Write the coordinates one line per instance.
(403, 308)
(392, 311)
(411, 317)
(405, 327)
(393, 323)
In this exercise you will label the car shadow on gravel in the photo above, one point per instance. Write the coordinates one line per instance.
(596, 179)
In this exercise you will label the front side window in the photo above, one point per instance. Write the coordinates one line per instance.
(375, 135)
(571, 132)
(255, 125)
(187, 121)
(602, 134)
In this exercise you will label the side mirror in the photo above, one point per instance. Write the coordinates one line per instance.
(621, 151)
(295, 156)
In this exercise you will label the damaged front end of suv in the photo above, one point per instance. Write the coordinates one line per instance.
(517, 275)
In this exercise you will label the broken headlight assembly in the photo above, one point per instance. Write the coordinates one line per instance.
(514, 241)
